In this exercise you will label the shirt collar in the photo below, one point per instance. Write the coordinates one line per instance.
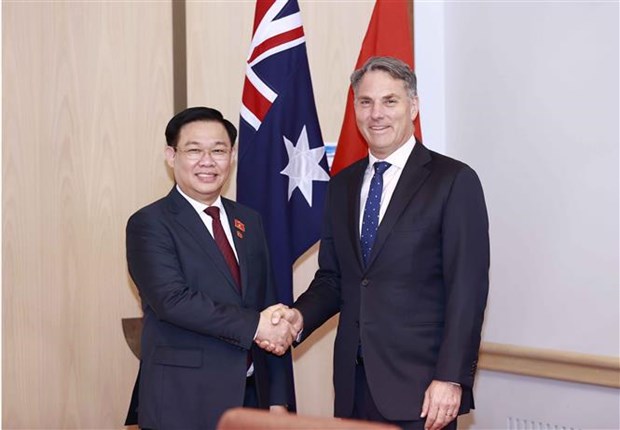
(200, 207)
(397, 158)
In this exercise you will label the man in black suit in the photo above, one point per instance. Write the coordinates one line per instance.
(201, 265)
(404, 258)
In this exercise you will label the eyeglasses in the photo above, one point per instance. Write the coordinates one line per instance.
(195, 154)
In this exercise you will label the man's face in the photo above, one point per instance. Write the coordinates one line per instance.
(202, 161)
(384, 112)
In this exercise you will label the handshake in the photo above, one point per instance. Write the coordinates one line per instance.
(278, 327)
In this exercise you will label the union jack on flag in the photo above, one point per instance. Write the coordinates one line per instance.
(282, 171)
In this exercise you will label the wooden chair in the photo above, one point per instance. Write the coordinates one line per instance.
(255, 419)
(132, 329)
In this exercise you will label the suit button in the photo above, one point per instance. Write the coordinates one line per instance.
(365, 282)
(357, 323)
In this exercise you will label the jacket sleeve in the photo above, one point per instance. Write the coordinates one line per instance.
(465, 250)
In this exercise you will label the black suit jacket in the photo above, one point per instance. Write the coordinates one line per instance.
(197, 327)
(418, 305)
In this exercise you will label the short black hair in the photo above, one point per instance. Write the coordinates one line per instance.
(198, 113)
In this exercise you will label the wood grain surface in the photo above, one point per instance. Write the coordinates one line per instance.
(87, 91)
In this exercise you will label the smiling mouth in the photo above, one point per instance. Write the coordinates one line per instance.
(206, 176)
(378, 127)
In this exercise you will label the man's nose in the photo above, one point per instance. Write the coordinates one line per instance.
(376, 111)
(206, 158)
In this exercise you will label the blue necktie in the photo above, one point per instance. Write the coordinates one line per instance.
(370, 222)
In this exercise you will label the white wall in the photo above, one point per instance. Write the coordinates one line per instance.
(531, 102)
(501, 396)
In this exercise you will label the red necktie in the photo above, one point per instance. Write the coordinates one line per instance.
(227, 252)
(223, 244)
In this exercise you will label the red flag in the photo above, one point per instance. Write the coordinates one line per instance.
(388, 34)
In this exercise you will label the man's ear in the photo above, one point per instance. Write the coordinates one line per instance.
(170, 154)
(234, 153)
(415, 107)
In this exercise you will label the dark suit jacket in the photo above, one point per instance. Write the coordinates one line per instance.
(418, 306)
(197, 327)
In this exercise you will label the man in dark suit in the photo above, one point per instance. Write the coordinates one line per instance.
(201, 265)
(404, 258)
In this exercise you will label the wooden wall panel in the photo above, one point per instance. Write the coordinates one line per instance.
(87, 91)
(218, 39)
(334, 34)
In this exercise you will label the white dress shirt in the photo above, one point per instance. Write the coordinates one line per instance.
(208, 221)
(397, 159)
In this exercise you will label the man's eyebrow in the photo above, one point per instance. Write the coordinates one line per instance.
(195, 143)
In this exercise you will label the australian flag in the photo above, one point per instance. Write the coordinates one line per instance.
(282, 171)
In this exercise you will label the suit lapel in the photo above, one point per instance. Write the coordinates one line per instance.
(188, 219)
(353, 216)
(413, 176)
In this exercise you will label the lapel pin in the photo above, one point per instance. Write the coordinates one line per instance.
(239, 225)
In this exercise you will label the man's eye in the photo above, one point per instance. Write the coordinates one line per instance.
(194, 151)
(391, 102)
(218, 151)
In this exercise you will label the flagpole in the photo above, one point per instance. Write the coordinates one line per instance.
(410, 12)
(179, 55)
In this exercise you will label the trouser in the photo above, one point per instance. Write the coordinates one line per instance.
(364, 407)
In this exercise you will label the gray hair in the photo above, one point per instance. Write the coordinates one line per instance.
(396, 68)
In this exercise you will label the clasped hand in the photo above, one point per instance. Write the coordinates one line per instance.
(278, 327)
